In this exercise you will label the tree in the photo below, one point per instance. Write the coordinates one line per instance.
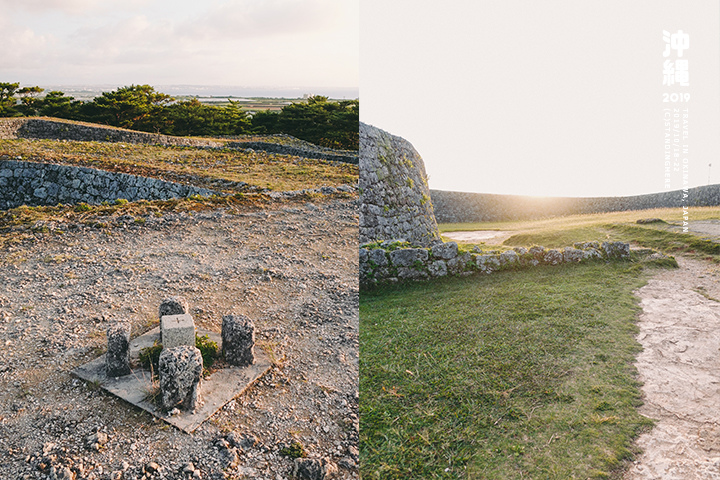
(138, 107)
(56, 104)
(8, 100)
(29, 101)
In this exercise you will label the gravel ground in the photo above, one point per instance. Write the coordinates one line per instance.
(291, 267)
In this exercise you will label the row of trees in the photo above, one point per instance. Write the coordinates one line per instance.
(140, 107)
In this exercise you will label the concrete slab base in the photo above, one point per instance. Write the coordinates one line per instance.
(136, 388)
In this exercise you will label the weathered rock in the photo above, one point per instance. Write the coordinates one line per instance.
(459, 264)
(180, 369)
(509, 258)
(445, 251)
(407, 257)
(173, 306)
(313, 468)
(553, 257)
(537, 252)
(378, 257)
(616, 249)
(117, 358)
(238, 340)
(573, 255)
(438, 268)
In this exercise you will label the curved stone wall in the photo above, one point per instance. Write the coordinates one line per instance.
(308, 150)
(33, 184)
(395, 199)
(462, 207)
(50, 129)
(54, 129)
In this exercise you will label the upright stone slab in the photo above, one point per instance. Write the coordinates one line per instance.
(238, 340)
(172, 306)
(180, 369)
(177, 330)
(117, 358)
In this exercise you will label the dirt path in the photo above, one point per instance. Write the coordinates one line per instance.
(680, 369)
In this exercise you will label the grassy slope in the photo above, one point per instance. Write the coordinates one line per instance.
(201, 167)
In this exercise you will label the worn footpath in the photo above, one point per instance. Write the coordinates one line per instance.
(680, 371)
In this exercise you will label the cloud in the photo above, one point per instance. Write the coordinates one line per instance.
(40, 6)
(21, 46)
(240, 19)
(240, 42)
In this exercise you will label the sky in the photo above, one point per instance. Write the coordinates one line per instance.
(545, 98)
(276, 43)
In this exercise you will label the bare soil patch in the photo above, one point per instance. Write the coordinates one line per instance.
(290, 266)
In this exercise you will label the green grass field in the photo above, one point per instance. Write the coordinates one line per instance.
(519, 374)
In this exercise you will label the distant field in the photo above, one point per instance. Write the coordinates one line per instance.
(616, 226)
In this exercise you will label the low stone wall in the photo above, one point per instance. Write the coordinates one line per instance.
(463, 207)
(33, 184)
(50, 129)
(53, 129)
(392, 261)
(311, 151)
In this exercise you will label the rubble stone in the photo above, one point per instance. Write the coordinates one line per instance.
(180, 369)
(238, 340)
(117, 358)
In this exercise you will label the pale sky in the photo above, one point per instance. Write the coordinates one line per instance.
(278, 43)
(551, 97)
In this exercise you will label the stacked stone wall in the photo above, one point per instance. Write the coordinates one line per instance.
(462, 207)
(53, 129)
(391, 262)
(395, 199)
(32, 184)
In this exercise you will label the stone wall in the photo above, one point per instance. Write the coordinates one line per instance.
(308, 150)
(460, 207)
(30, 183)
(51, 129)
(391, 262)
(395, 199)
(54, 129)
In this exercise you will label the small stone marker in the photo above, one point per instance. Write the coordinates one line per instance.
(172, 306)
(238, 339)
(177, 330)
(117, 358)
(180, 369)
